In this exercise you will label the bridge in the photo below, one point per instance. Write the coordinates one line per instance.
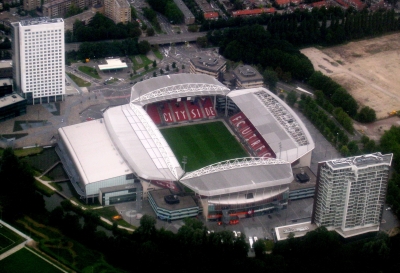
(154, 40)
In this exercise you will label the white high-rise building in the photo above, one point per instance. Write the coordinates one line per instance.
(39, 59)
(350, 193)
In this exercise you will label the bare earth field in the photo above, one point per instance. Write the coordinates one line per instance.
(369, 70)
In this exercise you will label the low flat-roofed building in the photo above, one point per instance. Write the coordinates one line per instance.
(303, 185)
(96, 162)
(298, 230)
(247, 77)
(208, 65)
(113, 64)
(168, 206)
(11, 106)
(5, 87)
(6, 69)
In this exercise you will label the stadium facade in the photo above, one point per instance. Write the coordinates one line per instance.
(126, 148)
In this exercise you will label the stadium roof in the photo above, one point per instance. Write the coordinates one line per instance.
(175, 86)
(238, 175)
(141, 143)
(276, 122)
(93, 152)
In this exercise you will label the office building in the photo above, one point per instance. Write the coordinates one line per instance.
(39, 59)
(350, 193)
(247, 77)
(209, 65)
(12, 106)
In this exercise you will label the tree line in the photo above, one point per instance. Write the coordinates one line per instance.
(167, 8)
(100, 50)
(101, 28)
(329, 26)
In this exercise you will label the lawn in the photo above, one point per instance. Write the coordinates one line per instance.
(80, 82)
(92, 72)
(25, 261)
(145, 61)
(203, 144)
(158, 54)
(8, 239)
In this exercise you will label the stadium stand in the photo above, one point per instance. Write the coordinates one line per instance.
(168, 116)
(153, 113)
(179, 111)
(194, 110)
(208, 108)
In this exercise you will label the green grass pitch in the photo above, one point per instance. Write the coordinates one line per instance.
(203, 144)
(24, 261)
(8, 239)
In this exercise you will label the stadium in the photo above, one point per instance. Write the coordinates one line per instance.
(189, 145)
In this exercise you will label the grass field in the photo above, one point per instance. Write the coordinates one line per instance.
(8, 239)
(203, 144)
(79, 81)
(25, 261)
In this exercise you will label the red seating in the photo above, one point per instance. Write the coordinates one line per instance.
(178, 108)
(194, 111)
(167, 115)
(236, 118)
(153, 113)
(209, 108)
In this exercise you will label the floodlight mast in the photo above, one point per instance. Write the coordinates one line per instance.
(184, 161)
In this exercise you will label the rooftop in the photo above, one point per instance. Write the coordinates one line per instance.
(113, 64)
(237, 175)
(276, 122)
(10, 99)
(184, 201)
(248, 12)
(141, 144)
(247, 73)
(361, 161)
(6, 63)
(96, 158)
(176, 86)
(298, 230)
(40, 21)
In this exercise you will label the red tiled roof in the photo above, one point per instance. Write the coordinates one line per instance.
(282, 2)
(342, 3)
(211, 15)
(245, 12)
(318, 4)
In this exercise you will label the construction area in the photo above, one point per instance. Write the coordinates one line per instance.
(368, 70)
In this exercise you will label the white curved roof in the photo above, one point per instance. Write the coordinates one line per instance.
(175, 86)
(276, 122)
(238, 175)
(141, 143)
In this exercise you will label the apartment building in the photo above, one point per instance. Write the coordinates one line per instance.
(350, 193)
(117, 10)
(39, 59)
(59, 8)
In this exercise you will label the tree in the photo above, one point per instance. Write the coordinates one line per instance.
(366, 115)
(202, 42)
(270, 79)
(150, 31)
(291, 98)
(161, 71)
(259, 248)
(154, 74)
(154, 63)
(193, 28)
(144, 47)
(173, 64)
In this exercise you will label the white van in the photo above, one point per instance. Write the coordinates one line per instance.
(251, 242)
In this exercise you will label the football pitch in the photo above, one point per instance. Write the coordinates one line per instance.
(8, 239)
(203, 144)
(25, 261)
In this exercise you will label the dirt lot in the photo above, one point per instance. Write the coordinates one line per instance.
(368, 69)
